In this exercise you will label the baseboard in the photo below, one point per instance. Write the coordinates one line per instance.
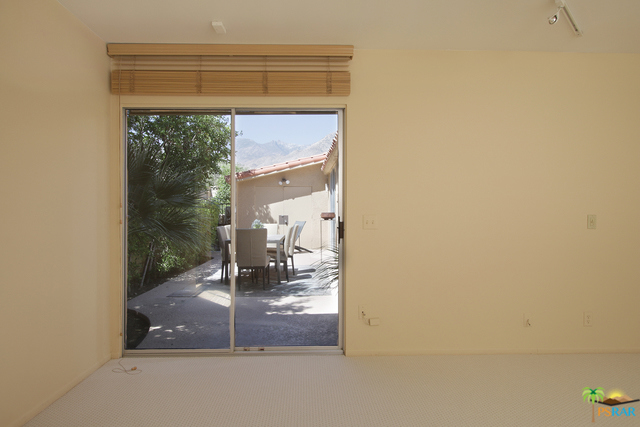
(491, 351)
(61, 392)
(589, 351)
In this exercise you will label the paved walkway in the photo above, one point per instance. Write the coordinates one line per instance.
(191, 311)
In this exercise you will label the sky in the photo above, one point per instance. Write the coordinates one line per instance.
(299, 129)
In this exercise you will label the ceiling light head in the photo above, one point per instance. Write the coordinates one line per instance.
(218, 27)
(562, 6)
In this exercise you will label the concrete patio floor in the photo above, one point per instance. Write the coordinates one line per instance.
(191, 311)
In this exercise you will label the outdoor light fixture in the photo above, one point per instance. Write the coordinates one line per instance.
(563, 6)
(284, 181)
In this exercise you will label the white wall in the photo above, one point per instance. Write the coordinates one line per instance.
(482, 168)
(54, 241)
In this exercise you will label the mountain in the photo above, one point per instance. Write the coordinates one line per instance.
(250, 154)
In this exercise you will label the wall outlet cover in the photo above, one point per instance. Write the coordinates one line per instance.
(587, 319)
(369, 222)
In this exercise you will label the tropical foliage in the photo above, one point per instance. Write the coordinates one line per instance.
(222, 185)
(170, 162)
(198, 144)
(327, 269)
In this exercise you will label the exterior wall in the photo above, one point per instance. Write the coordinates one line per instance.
(334, 200)
(302, 200)
(56, 218)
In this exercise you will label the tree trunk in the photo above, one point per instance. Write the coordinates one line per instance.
(146, 264)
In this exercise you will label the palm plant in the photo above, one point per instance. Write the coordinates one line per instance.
(172, 160)
(593, 395)
(327, 269)
(162, 203)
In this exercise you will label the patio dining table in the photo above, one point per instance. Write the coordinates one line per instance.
(277, 239)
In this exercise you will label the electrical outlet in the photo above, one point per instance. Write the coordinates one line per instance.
(369, 222)
(587, 319)
(362, 311)
(526, 320)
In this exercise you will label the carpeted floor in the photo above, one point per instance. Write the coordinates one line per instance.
(312, 390)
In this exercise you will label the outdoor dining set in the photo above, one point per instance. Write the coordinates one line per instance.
(257, 248)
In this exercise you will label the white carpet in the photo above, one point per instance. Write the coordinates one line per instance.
(314, 390)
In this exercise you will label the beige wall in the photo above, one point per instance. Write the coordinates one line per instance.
(481, 168)
(302, 200)
(54, 234)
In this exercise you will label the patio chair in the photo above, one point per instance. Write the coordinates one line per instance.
(295, 234)
(300, 225)
(251, 252)
(271, 229)
(223, 236)
(289, 243)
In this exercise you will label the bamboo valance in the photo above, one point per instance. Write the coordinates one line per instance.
(231, 70)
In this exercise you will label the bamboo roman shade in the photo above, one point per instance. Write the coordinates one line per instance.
(271, 70)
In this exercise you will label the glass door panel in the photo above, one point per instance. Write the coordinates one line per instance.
(178, 203)
(285, 162)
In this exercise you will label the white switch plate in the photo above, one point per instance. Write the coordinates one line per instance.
(369, 222)
(592, 221)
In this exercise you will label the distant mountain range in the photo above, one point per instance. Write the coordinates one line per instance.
(251, 155)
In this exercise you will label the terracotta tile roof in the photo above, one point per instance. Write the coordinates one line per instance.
(332, 150)
(252, 173)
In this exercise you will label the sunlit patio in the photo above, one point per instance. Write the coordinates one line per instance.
(191, 311)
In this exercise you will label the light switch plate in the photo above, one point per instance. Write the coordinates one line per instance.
(592, 222)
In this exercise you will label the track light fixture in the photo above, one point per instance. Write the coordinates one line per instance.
(563, 6)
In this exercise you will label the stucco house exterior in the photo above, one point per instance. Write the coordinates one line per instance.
(264, 194)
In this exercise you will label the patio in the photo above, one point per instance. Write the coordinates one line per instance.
(191, 311)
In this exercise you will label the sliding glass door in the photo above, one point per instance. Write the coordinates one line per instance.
(231, 240)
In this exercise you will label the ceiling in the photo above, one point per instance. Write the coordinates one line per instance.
(505, 25)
